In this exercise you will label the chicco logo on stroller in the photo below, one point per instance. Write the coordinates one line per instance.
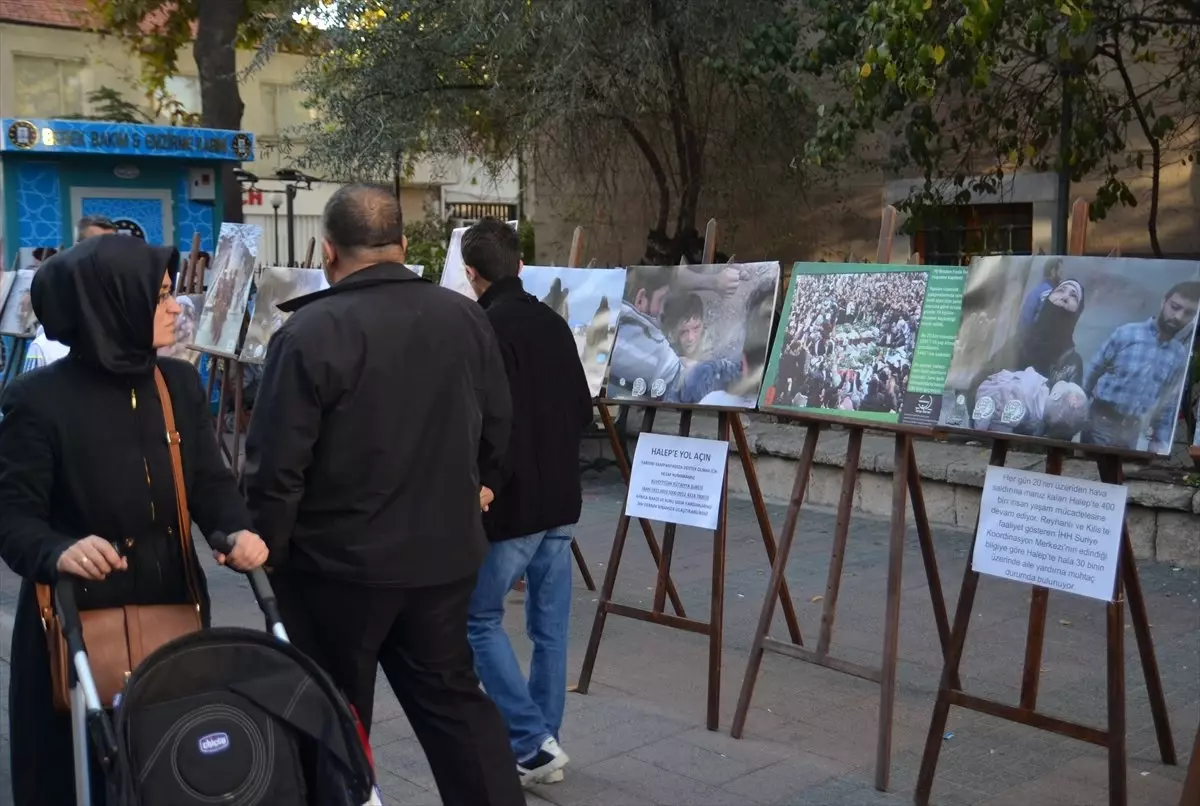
(214, 743)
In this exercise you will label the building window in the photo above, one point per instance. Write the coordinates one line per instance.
(46, 87)
(185, 90)
(952, 235)
(466, 214)
(284, 109)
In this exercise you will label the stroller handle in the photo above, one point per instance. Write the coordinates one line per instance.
(263, 593)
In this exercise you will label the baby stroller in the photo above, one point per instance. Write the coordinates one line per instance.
(224, 716)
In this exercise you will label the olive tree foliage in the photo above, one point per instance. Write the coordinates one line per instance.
(968, 91)
(577, 90)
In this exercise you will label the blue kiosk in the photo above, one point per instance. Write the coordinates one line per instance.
(161, 183)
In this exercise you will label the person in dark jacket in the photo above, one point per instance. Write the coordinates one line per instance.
(84, 465)
(531, 518)
(382, 410)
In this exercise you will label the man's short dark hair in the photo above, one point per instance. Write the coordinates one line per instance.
(363, 215)
(98, 221)
(646, 278)
(679, 308)
(493, 249)
(1189, 290)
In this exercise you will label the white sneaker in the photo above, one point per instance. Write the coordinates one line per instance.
(545, 764)
(555, 777)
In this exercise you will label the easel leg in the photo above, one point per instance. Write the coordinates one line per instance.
(929, 556)
(891, 628)
(647, 529)
(238, 402)
(1116, 701)
(1112, 472)
(775, 585)
(582, 563)
(716, 621)
(668, 544)
(1035, 635)
(764, 522)
(1191, 785)
(606, 594)
(841, 532)
(212, 379)
(958, 638)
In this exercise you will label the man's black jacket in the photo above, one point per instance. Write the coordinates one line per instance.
(551, 408)
(383, 406)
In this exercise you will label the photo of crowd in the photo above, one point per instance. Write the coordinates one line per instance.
(694, 335)
(230, 278)
(276, 284)
(849, 340)
(1074, 349)
(588, 299)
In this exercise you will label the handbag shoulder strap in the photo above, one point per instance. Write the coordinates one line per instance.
(181, 502)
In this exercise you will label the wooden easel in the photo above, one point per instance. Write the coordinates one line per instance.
(727, 420)
(950, 691)
(574, 258)
(906, 485)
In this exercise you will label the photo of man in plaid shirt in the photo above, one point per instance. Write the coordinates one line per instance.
(1134, 379)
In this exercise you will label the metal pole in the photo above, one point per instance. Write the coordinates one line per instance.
(1062, 211)
(275, 256)
(291, 224)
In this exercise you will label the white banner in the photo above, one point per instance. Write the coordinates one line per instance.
(1058, 532)
(677, 480)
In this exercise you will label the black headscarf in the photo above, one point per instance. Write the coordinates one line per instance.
(1052, 334)
(99, 299)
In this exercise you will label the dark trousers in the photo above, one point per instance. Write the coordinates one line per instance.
(419, 636)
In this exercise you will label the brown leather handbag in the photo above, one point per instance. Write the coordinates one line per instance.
(119, 638)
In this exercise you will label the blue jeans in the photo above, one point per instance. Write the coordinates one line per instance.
(534, 709)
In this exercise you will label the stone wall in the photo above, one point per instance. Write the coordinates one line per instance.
(1164, 517)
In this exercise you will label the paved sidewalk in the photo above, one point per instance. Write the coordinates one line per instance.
(639, 737)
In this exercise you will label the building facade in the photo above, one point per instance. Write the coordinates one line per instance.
(51, 64)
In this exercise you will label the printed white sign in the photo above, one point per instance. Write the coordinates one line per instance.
(1054, 531)
(677, 480)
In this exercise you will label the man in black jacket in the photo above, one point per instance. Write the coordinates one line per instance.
(383, 408)
(531, 519)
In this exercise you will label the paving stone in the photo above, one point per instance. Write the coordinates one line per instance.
(638, 738)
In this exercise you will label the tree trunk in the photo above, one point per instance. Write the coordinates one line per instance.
(221, 102)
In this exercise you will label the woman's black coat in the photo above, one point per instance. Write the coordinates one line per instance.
(83, 452)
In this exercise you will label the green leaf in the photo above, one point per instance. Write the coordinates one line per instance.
(939, 54)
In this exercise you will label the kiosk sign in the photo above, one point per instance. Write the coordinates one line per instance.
(125, 139)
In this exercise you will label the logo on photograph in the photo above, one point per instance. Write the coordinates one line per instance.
(214, 743)
(985, 407)
(924, 405)
(658, 388)
(1014, 412)
(639, 387)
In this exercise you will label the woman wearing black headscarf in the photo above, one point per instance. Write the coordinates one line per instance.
(84, 465)
(1048, 343)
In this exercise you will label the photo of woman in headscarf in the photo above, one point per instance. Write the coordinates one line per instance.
(1047, 344)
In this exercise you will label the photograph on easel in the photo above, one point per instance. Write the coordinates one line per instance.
(589, 300)
(229, 283)
(694, 335)
(18, 318)
(1074, 349)
(186, 325)
(454, 274)
(275, 285)
(865, 341)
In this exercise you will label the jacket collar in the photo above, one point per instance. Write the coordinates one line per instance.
(378, 274)
(501, 289)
